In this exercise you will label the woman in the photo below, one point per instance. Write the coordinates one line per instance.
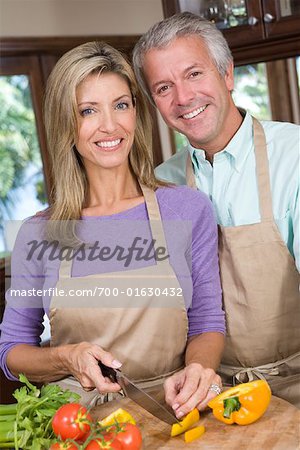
(118, 233)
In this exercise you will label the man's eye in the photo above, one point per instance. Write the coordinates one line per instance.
(195, 74)
(122, 105)
(86, 112)
(162, 89)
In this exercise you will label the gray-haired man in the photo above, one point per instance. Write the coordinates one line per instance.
(250, 172)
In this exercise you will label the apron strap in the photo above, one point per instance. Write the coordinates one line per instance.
(155, 222)
(190, 176)
(260, 372)
(65, 268)
(262, 172)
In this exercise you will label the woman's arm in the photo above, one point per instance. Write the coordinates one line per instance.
(205, 349)
(20, 350)
(189, 388)
(53, 363)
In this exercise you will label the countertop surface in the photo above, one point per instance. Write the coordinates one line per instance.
(277, 429)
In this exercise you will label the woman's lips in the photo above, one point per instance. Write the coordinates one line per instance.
(107, 144)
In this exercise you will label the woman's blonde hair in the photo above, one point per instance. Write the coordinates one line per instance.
(70, 179)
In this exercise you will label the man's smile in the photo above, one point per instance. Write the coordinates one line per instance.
(194, 113)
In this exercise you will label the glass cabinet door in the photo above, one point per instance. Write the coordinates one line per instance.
(229, 16)
(244, 21)
(281, 17)
(224, 13)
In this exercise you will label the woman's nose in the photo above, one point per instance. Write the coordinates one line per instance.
(108, 122)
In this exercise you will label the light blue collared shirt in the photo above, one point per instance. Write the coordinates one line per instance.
(231, 182)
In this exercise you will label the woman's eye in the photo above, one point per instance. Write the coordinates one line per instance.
(86, 112)
(122, 105)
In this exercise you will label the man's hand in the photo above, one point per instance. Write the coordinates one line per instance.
(189, 388)
(82, 362)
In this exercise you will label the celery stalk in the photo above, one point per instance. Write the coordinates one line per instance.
(8, 409)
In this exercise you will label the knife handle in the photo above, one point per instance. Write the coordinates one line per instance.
(108, 372)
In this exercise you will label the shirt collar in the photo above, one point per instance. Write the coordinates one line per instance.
(238, 148)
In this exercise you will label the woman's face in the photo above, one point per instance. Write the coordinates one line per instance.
(106, 121)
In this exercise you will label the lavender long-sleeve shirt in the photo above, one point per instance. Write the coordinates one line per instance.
(191, 237)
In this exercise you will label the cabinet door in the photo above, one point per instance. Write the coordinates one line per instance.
(281, 17)
(240, 20)
(244, 31)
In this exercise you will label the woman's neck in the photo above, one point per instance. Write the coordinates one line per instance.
(111, 192)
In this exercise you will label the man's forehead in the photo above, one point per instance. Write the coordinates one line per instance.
(182, 51)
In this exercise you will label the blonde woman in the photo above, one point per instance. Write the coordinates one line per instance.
(147, 251)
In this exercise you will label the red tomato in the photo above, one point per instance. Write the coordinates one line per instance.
(129, 436)
(97, 444)
(71, 421)
(63, 446)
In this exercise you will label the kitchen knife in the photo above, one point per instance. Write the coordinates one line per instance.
(138, 395)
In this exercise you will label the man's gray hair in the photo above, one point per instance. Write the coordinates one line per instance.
(183, 24)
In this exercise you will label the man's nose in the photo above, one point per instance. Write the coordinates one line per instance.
(183, 94)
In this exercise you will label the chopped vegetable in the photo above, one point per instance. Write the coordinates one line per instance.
(28, 422)
(190, 419)
(194, 433)
(242, 404)
(120, 415)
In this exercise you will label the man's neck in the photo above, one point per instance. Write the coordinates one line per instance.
(230, 128)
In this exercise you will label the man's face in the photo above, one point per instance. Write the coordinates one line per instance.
(190, 93)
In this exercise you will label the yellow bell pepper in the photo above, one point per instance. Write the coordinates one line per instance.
(194, 433)
(242, 404)
(120, 416)
(190, 419)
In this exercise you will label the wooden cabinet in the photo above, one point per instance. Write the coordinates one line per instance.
(260, 30)
(281, 18)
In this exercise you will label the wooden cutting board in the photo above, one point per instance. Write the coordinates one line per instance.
(277, 429)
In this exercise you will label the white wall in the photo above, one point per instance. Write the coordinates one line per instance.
(34, 18)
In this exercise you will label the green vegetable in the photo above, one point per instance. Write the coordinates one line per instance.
(27, 423)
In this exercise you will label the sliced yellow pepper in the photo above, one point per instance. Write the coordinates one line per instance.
(190, 419)
(194, 433)
(120, 416)
(242, 404)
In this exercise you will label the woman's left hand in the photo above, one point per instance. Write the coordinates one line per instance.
(191, 388)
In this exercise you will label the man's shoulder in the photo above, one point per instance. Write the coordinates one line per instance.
(281, 131)
(174, 169)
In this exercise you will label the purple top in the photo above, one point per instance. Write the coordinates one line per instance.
(191, 237)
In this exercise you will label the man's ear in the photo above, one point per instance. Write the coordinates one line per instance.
(229, 77)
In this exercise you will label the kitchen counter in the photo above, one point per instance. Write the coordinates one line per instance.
(277, 429)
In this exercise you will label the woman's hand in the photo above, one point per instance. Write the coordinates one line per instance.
(190, 388)
(82, 362)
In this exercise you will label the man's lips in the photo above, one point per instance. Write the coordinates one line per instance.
(193, 113)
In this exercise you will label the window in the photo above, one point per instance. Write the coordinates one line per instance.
(251, 90)
(22, 187)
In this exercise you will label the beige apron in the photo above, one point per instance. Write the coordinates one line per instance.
(261, 298)
(148, 334)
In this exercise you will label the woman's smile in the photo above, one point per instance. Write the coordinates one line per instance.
(106, 121)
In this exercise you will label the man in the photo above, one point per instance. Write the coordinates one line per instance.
(250, 172)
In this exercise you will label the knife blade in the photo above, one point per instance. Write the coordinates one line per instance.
(139, 396)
